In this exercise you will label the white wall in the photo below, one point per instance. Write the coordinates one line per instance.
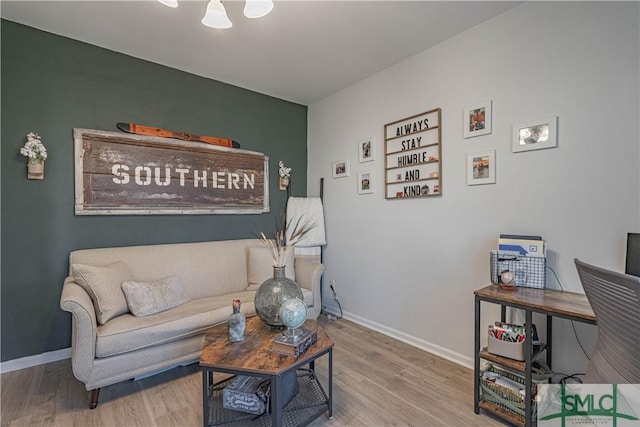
(409, 267)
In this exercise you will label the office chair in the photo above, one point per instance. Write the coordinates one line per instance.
(615, 299)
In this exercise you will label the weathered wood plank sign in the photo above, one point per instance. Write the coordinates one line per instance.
(122, 174)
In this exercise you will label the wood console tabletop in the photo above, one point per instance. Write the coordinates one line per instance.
(570, 305)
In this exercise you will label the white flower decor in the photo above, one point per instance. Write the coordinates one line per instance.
(34, 149)
(284, 171)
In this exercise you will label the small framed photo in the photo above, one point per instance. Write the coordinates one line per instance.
(340, 169)
(365, 182)
(481, 168)
(477, 119)
(365, 150)
(535, 135)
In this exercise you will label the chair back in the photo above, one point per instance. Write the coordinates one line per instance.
(615, 299)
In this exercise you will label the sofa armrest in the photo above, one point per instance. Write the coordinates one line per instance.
(75, 300)
(308, 274)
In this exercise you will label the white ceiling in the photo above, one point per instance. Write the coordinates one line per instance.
(303, 51)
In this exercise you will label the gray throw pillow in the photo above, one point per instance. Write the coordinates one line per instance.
(103, 283)
(146, 298)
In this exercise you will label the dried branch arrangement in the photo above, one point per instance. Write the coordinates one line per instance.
(285, 237)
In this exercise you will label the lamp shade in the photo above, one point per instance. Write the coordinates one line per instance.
(216, 16)
(170, 3)
(257, 8)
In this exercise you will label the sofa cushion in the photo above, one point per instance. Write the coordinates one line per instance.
(305, 267)
(103, 283)
(260, 266)
(206, 268)
(145, 298)
(128, 333)
(307, 297)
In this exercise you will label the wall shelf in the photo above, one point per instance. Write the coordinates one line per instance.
(511, 363)
(508, 416)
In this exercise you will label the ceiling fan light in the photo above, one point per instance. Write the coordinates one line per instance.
(216, 16)
(170, 3)
(257, 8)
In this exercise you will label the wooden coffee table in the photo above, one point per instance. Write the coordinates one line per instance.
(254, 357)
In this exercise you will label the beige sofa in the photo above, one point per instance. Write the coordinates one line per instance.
(110, 344)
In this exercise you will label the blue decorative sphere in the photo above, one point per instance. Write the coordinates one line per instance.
(293, 313)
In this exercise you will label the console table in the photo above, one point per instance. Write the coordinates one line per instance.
(253, 357)
(552, 303)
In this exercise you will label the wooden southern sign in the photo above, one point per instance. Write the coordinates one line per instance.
(122, 174)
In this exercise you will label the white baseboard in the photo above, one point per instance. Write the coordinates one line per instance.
(38, 359)
(445, 353)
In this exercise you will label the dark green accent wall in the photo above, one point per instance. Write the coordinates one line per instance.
(52, 84)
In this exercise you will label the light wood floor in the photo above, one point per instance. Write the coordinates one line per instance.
(378, 381)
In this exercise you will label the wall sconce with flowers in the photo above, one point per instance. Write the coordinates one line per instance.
(285, 174)
(36, 152)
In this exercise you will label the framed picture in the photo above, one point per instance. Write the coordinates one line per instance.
(340, 169)
(365, 182)
(481, 168)
(477, 119)
(535, 135)
(365, 150)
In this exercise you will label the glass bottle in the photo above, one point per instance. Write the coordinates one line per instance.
(236, 323)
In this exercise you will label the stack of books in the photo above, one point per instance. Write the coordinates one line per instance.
(294, 346)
